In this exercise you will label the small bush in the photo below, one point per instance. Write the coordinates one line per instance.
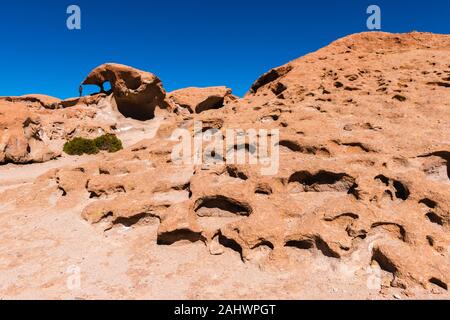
(108, 142)
(80, 146)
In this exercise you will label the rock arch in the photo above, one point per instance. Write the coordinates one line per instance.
(137, 93)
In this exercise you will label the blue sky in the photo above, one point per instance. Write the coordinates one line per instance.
(184, 42)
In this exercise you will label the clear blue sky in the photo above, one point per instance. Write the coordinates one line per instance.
(184, 42)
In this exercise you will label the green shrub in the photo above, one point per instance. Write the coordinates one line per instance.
(108, 142)
(80, 146)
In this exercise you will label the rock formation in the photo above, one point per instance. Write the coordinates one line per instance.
(21, 135)
(197, 100)
(136, 93)
(36, 101)
(363, 180)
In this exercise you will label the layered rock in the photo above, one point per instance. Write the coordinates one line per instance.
(35, 101)
(92, 100)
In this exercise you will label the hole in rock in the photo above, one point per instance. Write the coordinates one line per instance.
(325, 248)
(445, 155)
(394, 229)
(354, 191)
(264, 189)
(101, 193)
(439, 84)
(383, 179)
(138, 111)
(239, 149)
(264, 243)
(131, 221)
(291, 145)
(106, 87)
(358, 145)
(269, 77)
(279, 88)
(133, 82)
(350, 215)
(210, 104)
(429, 203)
(90, 90)
(401, 191)
(399, 98)
(351, 88)
(234, 172)
(272, 117)
(389, 194)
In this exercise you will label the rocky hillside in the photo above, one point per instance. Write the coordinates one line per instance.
(361, 187)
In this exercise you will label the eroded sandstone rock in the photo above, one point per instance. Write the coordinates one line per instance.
(36, 101)
(197, 100)
(137, 93)
(363, 178)
(21, 135)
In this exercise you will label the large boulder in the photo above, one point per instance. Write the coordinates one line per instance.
(137, 93)
(197, 100)
(35, 101)
(21, 135)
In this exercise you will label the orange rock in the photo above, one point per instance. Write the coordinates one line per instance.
(137, 93)
(363, 179)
